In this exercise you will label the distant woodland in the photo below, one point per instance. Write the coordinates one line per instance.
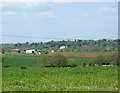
(71, 46)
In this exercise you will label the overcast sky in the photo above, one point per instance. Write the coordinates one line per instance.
(71, 20)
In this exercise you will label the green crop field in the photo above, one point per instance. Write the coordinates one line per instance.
(60, 79)
(79, 60)
(32, 61)
(36, 78)
(17, 61)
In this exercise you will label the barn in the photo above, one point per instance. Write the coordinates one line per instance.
(30, 51)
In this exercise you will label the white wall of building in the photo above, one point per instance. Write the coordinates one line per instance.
(29, 51)
(63, 47)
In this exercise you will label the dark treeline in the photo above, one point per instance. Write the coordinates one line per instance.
(71, 46)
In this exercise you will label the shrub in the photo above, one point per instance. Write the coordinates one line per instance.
(91, 64)
(84, 64)
(115, 60)
(24, 67)
(54, 61)
(59, 60)
(98, 60)
(105, 59)
(44, 60)
(72, 63)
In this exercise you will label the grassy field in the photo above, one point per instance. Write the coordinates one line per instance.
(36, 78)
(60, 79)
(32, 61)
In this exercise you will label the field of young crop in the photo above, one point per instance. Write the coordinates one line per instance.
(32, 61)
(60, 79)
(17, 61)
(36, 78)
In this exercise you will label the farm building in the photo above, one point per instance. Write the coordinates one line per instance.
(51, 51)
(16, 51)
(63, 47)
(38, 51)
(30, 51)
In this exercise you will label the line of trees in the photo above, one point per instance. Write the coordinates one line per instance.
(111, 59)
(72, 46)
(61, 61)
(54, 61)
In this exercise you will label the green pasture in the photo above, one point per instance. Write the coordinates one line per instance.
(32, 61)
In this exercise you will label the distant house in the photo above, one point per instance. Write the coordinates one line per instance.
(38, 51)
(108, 39)
(51, 51)
(16, 51)
(30, 51)
(63, 47)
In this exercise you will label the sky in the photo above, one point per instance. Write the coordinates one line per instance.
(46, 21)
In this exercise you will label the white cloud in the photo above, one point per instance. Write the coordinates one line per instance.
(12, 13)
(46, 13)
(29, 4)
(106, 10)
(24, 4)
(110, 14)
(9, 13)
(34, 4)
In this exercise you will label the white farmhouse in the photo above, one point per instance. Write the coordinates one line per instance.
(63, 47)
(30, 51)
(51, 51)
